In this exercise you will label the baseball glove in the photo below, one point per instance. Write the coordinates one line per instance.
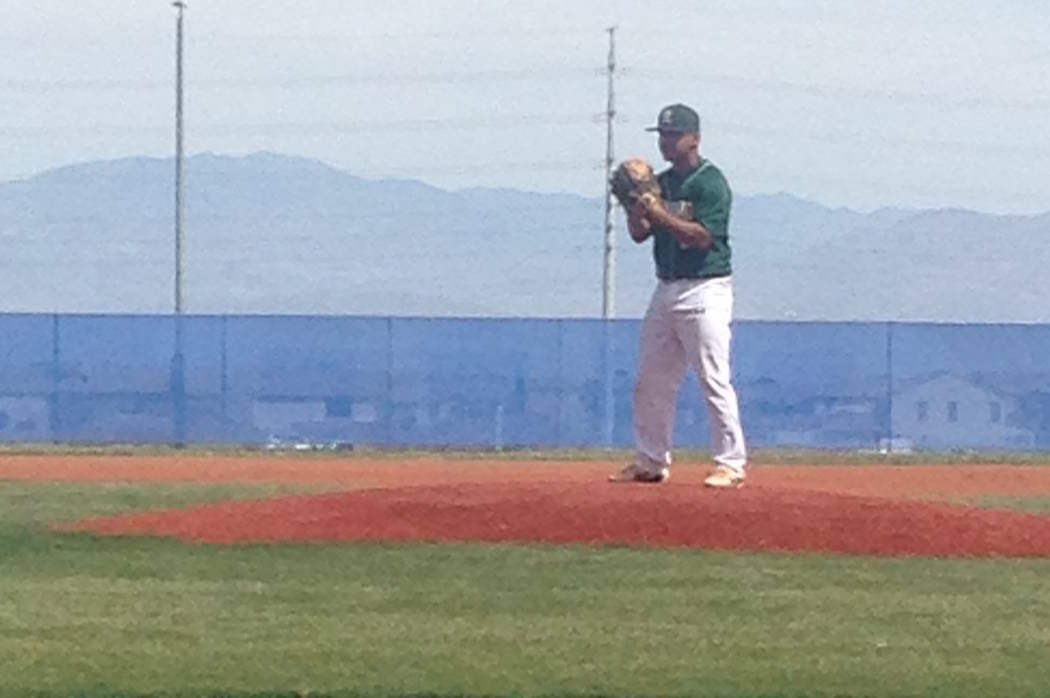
(634, 181)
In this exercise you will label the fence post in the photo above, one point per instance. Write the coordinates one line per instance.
(609, 404)
(889, 387)
(388, 412)
(499, 427)
(54, 405)
(178, 385)
(224, 387)
(559, 386)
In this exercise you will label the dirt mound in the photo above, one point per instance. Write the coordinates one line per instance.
(756, 518)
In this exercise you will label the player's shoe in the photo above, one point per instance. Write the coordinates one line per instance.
(636, 473)
(724, 478)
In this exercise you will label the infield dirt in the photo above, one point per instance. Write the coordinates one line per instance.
(863, 510)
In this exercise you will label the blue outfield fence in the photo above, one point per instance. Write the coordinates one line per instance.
(324, 382)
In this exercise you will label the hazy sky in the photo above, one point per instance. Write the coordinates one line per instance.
(858, 103)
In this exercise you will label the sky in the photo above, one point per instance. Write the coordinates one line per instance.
(857, 103)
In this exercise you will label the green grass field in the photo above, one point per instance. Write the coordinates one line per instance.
(766, 456)
(94, 617)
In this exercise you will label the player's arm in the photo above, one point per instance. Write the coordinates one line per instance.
(638, 224)
(688, 232)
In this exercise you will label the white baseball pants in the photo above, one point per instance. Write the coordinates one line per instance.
(687, 324)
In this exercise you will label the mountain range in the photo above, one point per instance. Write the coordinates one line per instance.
(269, 233)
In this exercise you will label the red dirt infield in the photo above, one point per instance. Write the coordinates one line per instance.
(862, 510)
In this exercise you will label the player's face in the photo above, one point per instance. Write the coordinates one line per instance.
(675, 146)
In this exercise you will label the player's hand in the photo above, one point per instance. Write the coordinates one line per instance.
(655, 210)
(638, 223)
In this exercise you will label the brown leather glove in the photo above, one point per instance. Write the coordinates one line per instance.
(634, 181)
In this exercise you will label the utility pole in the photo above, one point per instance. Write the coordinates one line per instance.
(180, 199)
(609, 261)
(178, 367)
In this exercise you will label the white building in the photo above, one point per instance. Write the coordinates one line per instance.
(24, 418)
(950, 412)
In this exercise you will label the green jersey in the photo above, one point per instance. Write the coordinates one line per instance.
(707, 190)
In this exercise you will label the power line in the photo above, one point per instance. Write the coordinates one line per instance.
(310, 81)
(560, 73)
(817, 132)
(838, 136)
(436, 123)
(553, 165)
(289, 211)
(922, 98)
(249, 234)
(322, 258)
(224, 38)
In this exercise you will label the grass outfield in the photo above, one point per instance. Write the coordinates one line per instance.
(760, 456)
(85, 616)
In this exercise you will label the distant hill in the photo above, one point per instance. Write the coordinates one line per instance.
(268, 233)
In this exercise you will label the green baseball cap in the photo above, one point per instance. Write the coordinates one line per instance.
(677, 118)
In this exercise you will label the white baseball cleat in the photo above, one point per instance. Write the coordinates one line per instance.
(724, 478)
(636, 473)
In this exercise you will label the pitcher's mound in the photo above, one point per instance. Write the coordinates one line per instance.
(756, 518)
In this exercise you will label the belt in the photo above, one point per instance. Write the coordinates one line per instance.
(671, 277)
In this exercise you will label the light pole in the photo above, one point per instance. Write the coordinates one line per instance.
(609, 247)
(180, 200)
(178, 367)
(609, 252)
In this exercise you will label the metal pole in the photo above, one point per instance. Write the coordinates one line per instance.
(388, 421)
(178, 368)
(889, 386)
(54, 403)
(180, 200)
(609, 266)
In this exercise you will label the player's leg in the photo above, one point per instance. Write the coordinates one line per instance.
(660, 372)
(704, 325)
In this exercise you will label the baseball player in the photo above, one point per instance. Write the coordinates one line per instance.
(688, 320)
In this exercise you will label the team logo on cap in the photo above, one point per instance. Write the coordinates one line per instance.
(667, 117)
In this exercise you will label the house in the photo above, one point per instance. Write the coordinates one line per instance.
(24, 418)
(828, 421)
(946, 411)
(848, 412)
